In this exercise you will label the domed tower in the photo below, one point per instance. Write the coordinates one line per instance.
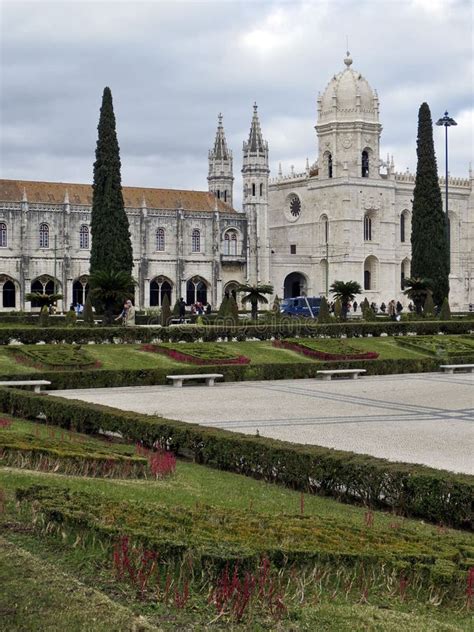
(348, 127)
(220, 176)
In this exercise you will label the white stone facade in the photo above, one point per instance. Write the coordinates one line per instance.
(347, 217)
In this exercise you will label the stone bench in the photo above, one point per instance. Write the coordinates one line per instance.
(37, 384)
(209, 377)
(328, 373)
(451, 368)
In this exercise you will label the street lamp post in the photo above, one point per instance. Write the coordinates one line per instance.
(446, 121)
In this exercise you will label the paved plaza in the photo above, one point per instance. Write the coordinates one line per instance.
(418, 418)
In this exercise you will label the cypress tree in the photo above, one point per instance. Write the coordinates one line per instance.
(165, 311)
(429, 237)
(324, 316)
(233, 311)
(111, 244)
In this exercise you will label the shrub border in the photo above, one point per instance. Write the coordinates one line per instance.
(323, 355)
(103, 378)
(214, 333)
(411, 490)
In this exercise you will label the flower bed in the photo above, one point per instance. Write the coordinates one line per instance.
(201, 354)
(59, 357)
(340, 350)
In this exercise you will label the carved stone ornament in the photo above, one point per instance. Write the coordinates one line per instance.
(347, 141)
(369, 203)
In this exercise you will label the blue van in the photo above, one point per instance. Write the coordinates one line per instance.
(301, 306)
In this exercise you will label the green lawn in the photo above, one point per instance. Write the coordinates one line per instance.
(192, 484)
(49, 585)
(131, 357)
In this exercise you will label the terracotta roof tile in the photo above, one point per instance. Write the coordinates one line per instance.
(54, 192)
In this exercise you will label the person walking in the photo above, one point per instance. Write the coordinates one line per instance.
(399, 308)
(354, 306)
(392, 310)
(129, 320)
(182, 310)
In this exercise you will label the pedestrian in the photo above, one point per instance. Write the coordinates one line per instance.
(123, 314)
(182, 310)
(129, 320)
(399, 307)
(373, 307)
(208, 308)
(383, 307)
(392, 310)
(410, 306)
(354, 306)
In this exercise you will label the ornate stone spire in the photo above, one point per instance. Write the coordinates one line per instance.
(256, 143)
(220, 144)
(220, 176)
(66, 197)
(24, 197)
(348, 59)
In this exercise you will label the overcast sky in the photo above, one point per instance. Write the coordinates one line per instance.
(173, 66)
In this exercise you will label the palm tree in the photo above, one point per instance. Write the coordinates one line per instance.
(110, 289)
(418, 290)
(254, 296)
(43, 299)
(346, 292)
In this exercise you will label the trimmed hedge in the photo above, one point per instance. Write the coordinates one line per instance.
(198, 353)
(284, 539)
(310, 349)
(232, 373)
(70, 357)
(410, 490)
(213, 333)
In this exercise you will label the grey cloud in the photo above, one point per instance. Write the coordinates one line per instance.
(172, 66)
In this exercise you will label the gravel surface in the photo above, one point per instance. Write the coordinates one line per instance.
(417, 418)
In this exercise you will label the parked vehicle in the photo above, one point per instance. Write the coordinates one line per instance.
(301, 306)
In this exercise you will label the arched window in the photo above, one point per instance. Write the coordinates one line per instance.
(370, 273)
(44, 236)
(196, 291)
(196, 241)
(159, 288)
(367, 279)
(9, 294)
(225, 196)
(365, 164)
(80, 290)
(84, 237)
(323, 230)
(253, 189)
(261, 189)
(3, 235)
(367, 228)
(160, 239)
(404, 272)
(218, 194)
(230, 242)
(329, 165)
(43, 285)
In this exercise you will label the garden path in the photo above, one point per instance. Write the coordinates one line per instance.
(417, 418)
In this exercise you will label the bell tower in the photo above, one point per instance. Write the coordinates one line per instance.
(348, 127)
(220, 176)
(255, 174)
